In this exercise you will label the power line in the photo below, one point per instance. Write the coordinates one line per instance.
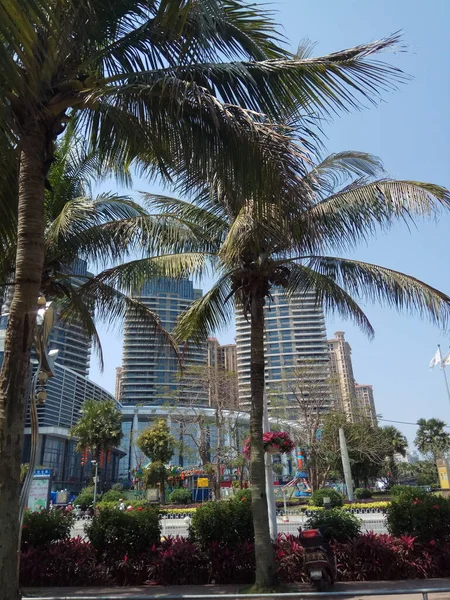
(404, 422)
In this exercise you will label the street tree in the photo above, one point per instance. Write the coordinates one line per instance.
(99, 428)
(431, 439)
(256, 248)
(157, 443)
(187, 89)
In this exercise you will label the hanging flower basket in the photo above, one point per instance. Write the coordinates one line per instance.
(275, 442)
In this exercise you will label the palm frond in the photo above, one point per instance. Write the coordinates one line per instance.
(386, 286)
(207, 314)
(354, 214)
(329, 294)
(335, 169)
(191, 136)
(73, 308)
(279, 87)
(111, 307)
(131, 276)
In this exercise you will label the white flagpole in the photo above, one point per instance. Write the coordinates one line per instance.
(445, 374)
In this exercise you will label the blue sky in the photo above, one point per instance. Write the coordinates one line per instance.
(410, 131)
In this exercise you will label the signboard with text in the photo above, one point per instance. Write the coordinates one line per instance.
(39, 494)
(202, 482)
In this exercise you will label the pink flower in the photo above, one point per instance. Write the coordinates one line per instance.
(432, 543)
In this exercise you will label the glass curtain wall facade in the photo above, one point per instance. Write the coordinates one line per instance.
(150, 372)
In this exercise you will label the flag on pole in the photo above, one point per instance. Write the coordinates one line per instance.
(436, 359)
(446, 360)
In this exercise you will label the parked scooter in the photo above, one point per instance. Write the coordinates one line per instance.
(319, 561)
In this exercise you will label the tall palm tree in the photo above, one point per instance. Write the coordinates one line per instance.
(102, 229)
(146, 80)
(431, 439)
(255, 249)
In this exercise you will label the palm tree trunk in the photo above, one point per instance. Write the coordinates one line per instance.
(14, 376)
(265, 566)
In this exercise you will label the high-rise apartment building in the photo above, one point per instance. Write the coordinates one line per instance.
(342, 375)
(222, 363)
(366, 403)
(295, 341)
(224, 357)
(69, 337)
(151, 373)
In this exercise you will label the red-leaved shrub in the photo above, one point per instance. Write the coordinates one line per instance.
(66, 562)
(178, 561)
(372, 557)
(289, 559)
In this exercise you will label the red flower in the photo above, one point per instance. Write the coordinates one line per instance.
(432, 543)
(140, 508)
(436, 507)
(24, 526)
(125, 558)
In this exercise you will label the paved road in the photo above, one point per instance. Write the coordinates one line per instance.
(217, 590)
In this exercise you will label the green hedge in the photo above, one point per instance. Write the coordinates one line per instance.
(119, 533)
(181, 496)
(40, 528)
(336, 499)
(226, 522)
(335, 525)
(363, 494)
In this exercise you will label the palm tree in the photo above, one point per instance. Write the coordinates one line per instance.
(396, 443)
(255, 249)
(431, 439)
(146, 81)
(99, 428)
(102, 229)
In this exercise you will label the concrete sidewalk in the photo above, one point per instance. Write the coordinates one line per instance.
(216, 590)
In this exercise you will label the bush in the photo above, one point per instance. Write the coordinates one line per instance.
(368, 557)
(179, 562)
(181, 496)
(112, 496)
(426, 517)
(70, 562)
(41, 528)
(228, 522)
(363, 494)
(289, 555)
(412, 490)
(118, 533)
(117, 487)
(85, 498)
(336, 499)
(335, 525)
(372, 557)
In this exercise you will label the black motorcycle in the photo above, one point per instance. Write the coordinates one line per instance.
(319, 561)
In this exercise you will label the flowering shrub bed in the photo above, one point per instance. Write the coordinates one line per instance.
(425, 516)
(175, 561)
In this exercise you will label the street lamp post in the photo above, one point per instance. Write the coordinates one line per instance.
(95, 464)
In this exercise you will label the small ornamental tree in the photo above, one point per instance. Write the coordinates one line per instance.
(99, 429)
(158, 445)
